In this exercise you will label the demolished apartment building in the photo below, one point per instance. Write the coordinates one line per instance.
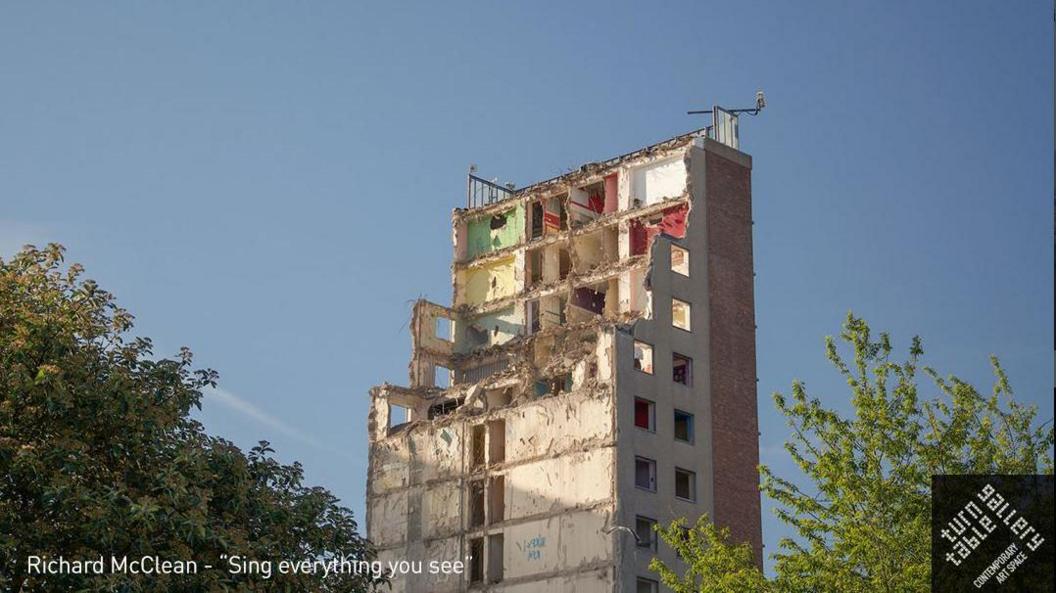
(594, 376)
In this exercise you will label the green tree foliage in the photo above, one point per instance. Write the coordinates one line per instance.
(713, 563)
(861, 510)
(99, 456)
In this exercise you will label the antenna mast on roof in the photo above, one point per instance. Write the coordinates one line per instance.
(760, 102)
(724, 122)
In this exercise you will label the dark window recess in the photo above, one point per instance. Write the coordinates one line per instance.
(645, 473)
(643, 528)
(496, 441)
(639, 238)
(496, 499)
(589, 299)
(476, 503)
(537, 220)
(535, 267)
(495, 566)
(477, 443)
(498, 221)
(643, 413)
(682, 369)
(477, 334)
(444, 408)
(476, 560)
(534, 321)
(565, 384)
(644, 585)
(564, 264)
(683, 426)
(685, 484)
(554, 385)
(541, 388)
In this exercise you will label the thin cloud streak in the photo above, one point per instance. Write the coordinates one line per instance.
(252, 412)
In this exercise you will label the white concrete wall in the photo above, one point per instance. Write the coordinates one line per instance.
(559, 487)
(597, 581)
(655, 181)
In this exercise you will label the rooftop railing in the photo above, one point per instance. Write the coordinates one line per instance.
(481, 192)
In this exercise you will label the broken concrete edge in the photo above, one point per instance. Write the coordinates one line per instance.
(565, 348)
(521, 370)
(602, 222)
(587, 174)
(505, 269)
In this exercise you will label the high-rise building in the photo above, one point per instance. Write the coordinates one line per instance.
(594, 375)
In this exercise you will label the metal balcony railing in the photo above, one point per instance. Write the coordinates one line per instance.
(481, 192)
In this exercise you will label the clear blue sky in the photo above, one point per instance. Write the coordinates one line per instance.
(271, 183)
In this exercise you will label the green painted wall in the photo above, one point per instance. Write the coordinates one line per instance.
(481, 238)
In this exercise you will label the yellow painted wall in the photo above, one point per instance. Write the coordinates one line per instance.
(488, 282)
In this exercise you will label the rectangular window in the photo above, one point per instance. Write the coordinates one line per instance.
(680, 314)
(445, 407)
(643, 528)
(679, 260)
(645, 585)
(477, 444)
(496, 441)
(443, 328)
(534, 322)
(398, 415)
(682, 369)
(643, 357)
(496, 499)
(536, 220)
(645, 473)
(564, 264)
(683, 426)
(555, 218)
(495, 567)
(685, 484)
(476, 503)
(441, 377)
(645, 414)
(476, 560)
(534, 264)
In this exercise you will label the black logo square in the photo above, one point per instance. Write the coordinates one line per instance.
(992, 533)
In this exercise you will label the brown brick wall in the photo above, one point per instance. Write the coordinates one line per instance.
(731, 302)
